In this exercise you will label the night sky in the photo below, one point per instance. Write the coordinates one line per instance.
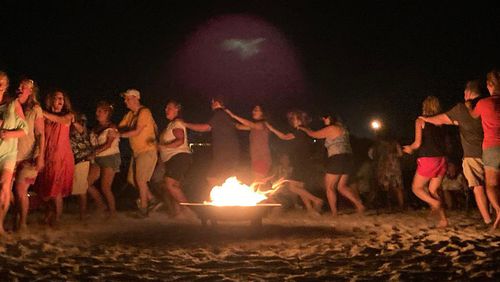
(358, 60)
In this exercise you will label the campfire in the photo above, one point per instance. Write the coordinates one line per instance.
(234, 193)
(235, 201)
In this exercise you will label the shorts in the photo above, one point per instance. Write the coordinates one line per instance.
(491, 158)
(26, 172)
(112, 161)
(141, 167)
(177, 166)
(339, 164)
(473, 171)
(431, 167)
(80, 178)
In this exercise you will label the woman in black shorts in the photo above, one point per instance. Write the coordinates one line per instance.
(339, 164)
(175, 155)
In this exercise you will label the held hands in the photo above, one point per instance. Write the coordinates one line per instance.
(407, 149)
(4, 134)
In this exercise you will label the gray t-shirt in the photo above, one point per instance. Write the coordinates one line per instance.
(471, 130)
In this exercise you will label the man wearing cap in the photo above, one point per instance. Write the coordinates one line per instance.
(139, 127)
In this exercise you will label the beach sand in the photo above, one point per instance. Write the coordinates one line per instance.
(289, 246)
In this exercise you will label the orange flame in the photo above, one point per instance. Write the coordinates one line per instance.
(235, 193)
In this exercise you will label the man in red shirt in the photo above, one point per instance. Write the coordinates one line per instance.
(489, 111)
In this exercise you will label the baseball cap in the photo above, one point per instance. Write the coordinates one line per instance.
(131, 92)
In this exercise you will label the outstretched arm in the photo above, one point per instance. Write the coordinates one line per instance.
(200, 127)
(418, 138)
(241, 120)
(66, 119)
(281, 135)
(439, 119)
(319, 134)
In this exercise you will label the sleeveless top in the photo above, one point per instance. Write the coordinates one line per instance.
(100, 138)
(433, 140)
(259, 144)
(338, 145)
(168, 135)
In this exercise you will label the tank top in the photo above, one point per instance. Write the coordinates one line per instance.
(433, 140)
(338, 145)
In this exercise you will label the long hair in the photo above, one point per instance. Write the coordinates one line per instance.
(263, 110)
(33, 98)
(107, 106)
(49, 101)
(300, 115)
(493, 79)
(431, 106)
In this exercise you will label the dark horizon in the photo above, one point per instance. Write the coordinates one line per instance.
(364, 61)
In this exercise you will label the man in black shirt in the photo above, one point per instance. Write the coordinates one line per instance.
(225, 144)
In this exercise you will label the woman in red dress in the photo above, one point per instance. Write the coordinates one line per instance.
(56, 179)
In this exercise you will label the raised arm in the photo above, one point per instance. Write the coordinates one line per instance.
(439, 119)
(65, 119)
(241, 120)
(200, 127)
(281, 135)
(418, 138)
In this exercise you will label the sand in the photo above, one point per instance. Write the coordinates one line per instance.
(289, 246)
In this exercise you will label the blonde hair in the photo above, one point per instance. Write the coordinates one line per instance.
(493, 79)
(33, 98)
(431, 106)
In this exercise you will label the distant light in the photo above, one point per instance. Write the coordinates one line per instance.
(376, 124)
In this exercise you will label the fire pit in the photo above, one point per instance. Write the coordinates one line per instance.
(233, 201)
(208, 212)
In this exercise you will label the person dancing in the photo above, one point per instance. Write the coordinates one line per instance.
(431, 162)
(260, 153)
(339, 164)
(12, 127)
(300, 159)
(489, 111)
(56, 180)
(30, 150)
(175, 155)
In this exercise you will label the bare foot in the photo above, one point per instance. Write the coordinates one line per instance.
(442, 223)
(497, 222)
(361, 209)
(318, 206)
(22, 228)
